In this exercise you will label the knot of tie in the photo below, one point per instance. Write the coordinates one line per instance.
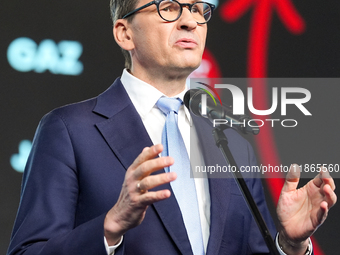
(167, 105)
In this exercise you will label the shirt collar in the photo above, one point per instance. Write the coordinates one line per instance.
(144, 96)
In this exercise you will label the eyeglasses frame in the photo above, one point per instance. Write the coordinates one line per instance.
(158, 2)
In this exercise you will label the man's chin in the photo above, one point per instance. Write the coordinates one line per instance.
(185, 66)
(191, 64)
(190, 67)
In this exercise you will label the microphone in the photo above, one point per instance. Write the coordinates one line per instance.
(202, 105)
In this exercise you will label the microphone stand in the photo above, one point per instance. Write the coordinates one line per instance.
(222, 142)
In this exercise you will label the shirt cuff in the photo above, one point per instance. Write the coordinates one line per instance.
(110, 250)
(309, 250)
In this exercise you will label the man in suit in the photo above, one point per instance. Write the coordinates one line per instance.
(94, 183)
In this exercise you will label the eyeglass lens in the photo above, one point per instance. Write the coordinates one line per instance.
(171, 10)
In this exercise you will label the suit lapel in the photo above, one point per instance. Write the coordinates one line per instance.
(123, 128)
(126, 135)
(219, 188)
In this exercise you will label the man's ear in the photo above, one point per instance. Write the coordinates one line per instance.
(122, 34)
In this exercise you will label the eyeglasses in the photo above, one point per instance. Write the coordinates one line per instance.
(171, 10)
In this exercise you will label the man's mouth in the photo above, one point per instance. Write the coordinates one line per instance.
(186, 43)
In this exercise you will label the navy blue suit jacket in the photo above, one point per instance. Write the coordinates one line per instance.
(74, 176)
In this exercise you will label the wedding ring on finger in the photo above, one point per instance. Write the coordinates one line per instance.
(142, 191)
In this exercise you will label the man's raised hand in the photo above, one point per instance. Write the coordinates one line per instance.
(134, 199)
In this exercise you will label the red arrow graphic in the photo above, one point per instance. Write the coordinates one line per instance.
(260, 27)
(257, 66)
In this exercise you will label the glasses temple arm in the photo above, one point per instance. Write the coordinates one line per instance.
(138, 9)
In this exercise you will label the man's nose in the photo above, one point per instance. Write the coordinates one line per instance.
(187, 21)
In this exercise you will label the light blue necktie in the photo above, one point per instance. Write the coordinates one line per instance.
(184, 186)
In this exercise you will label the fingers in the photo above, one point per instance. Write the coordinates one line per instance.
(318, 180)
(147, 198)
(152, 165)
(326, 178)
(139, 177)
(321, 214)
(330, 196)
(292, 178)
(328, 200)
(153, 181)
(147, 153)
(326, 183)
(153, 197)
(130, 209)
(146, 163)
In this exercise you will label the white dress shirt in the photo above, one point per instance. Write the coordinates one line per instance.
(144, 98)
